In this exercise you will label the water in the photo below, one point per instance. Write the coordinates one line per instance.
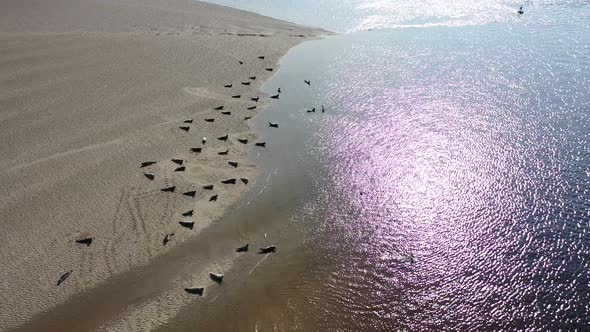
(358, 15)
(447, 186)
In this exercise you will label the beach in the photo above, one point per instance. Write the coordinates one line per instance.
(90, 91)
(174, 165)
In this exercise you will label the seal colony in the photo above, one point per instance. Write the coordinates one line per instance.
(113, 144)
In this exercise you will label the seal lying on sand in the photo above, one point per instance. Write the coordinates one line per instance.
(243, 248)
(195, 290)
(87, 241)
(187, 224)
(168, 189)
(64, 277)
(267, 250)
(167, 238)
(217, 277)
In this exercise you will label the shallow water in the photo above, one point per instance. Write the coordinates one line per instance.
(447, 186)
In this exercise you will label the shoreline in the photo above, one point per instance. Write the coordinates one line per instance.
(75, 166)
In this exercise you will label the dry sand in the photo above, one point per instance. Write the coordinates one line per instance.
(90, 89)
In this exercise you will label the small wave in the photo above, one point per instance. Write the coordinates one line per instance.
(379, 14)
(432, 13)
(372, 24)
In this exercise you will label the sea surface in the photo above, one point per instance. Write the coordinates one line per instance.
(447, 184)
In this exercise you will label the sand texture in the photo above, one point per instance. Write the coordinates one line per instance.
(90, 89)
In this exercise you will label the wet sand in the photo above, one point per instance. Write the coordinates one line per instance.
(90, 90)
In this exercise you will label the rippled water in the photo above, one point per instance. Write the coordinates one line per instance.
(447, 186)
(357, 15)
